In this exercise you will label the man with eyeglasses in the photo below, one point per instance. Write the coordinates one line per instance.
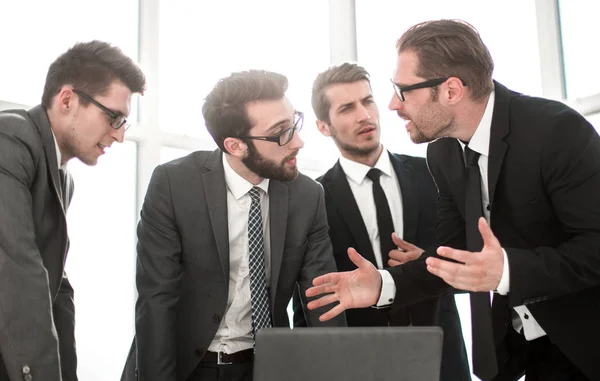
(518, 212)
(380, 203)
(224, 238)
(85, 103)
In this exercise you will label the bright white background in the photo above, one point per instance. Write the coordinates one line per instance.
(185, 46)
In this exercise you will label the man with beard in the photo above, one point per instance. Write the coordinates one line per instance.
(224, 238)
(84, 109)
(530, 167)
(381, 204)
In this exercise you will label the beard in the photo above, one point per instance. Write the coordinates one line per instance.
(436, 123)
(352, 149)
(268, 169)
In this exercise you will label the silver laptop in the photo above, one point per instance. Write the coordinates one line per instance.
(349, 354)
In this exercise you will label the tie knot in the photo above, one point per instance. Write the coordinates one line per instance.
(471, 157)
(254, 194)
(374, 174)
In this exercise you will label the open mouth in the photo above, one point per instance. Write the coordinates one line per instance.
(366, 130)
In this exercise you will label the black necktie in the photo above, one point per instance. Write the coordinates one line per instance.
(62, 180)
(485, 365)
(385, 224)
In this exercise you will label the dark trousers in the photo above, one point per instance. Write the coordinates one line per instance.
(538, 360)
(215, 372)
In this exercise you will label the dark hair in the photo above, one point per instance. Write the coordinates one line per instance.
(344, 73)
(92, 67)
(224, 108)
(451, 48)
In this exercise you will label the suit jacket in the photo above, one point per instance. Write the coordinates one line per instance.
(347, 229)
(36, 299)
(544, 181)
(183, 260)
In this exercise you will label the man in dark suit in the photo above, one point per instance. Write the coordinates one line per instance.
(531, 168)
(346, 111)
(84, 107)
(224, 238)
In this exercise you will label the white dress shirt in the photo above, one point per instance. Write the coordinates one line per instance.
(58, 153)
(362, 189)
(480, 143)
(235, 331)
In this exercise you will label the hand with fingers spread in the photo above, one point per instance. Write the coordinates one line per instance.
(352, 289)
(406, 252)
(476, 271)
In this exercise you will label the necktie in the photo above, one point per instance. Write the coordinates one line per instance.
(485, 365)
(258, 285)
(385, 224)
(62, 179)
(385, 227)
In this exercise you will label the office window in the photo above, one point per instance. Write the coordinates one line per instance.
(579, 28)
(35, 33)
(201, 42)
(514, 50)
(101, 261)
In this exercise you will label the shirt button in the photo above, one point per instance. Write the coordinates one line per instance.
(526, 316)
(488, 207)
(390, 300)
(199, 352)
(216, 319)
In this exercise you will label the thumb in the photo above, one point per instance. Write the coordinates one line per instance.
(489, 239)
(357, 259)
(402, 243)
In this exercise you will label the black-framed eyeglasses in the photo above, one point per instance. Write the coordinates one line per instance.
(116, 120)
(400, 90)
(285, 136)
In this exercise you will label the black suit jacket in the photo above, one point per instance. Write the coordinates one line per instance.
(544, 182)
(37, 315)
(183, 270)
(347, 229)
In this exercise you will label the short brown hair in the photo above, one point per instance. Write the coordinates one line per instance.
(92, 67)
(344, 73)
(450, 48)
(224, 108)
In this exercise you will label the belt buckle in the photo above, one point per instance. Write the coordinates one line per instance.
(220, 361)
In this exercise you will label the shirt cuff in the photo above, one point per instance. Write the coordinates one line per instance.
(504, 285)
(388, 289)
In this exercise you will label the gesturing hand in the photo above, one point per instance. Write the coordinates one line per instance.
(407, 252)
(476, 271)
(352, 289)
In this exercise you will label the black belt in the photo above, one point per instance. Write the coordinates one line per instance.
(233, 358)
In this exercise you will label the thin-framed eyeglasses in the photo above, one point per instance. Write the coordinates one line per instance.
(285, 136)
(400, 90)
(117, 120)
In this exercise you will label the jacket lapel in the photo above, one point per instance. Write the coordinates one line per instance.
(410, 197)
(278, 215)
(215, 191)
(40, 119)
(499, 130)
(343, 198)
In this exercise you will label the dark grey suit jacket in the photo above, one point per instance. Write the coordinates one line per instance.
(36, 299)
(183, 261)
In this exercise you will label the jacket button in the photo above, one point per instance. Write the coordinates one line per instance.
(199, 352)
(505, 324)
(26, 369)
(216, 319)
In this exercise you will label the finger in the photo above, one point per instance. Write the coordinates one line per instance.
(327, 278)
(489, 239)
(393, 263)
(320, 290)
(455, 284)
(357, 259)
(461, 256)
(323, 301)
(404, 256)
(402, 243)
(451, 272)
(335, 311)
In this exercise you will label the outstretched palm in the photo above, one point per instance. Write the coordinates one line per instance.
(352, 289)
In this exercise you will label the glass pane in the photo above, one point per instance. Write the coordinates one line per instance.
(101, 261)
(380, 23)
(169, 153)
(579, 23)
(30, 43)
(594, 119)
(280, 36)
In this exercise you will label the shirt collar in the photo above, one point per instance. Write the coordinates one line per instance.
(480, 141)
(238, 185)
(357, 171)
